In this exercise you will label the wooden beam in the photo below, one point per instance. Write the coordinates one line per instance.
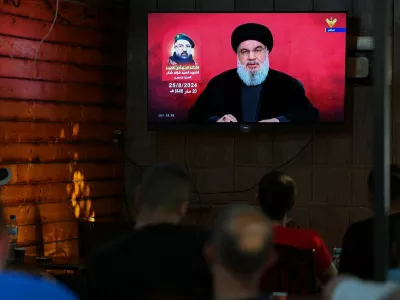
(70, 35)
(62, 172)
(35, 214)
(76, 13)
(51, 91)
(28, 153)
(20, 132)
(37, 111)
(60, 72)
(27, 194)
(22, 48)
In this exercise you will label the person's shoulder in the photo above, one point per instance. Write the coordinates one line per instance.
(360, 224)
(283, 78)
(191, 236)
(311, 236)
(295, 231)
(297, 236)
(20, 286)
(226, 76)
(163, 227)
(109, 249)
(173, 238)
(199, 231)
(395, 218)
(175, 231)
(189, 230)
(306, 232)
(278, 75)
(359, 228)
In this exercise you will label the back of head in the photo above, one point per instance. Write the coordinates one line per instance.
(165, 187)
(394, 183)
(242, 240)
(276, 194)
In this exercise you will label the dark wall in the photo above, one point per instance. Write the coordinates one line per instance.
(331, 173)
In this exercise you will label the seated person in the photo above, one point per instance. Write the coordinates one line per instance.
(160, 258)
(240, 250)
(357, 247)
(276, 196)
(253, 92)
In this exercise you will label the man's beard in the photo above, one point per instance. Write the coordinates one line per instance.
(184, 55)
(252, 78)
(182, 60)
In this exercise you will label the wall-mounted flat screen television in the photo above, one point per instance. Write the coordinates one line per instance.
(245, 71)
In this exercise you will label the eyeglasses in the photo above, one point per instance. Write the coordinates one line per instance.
(246, 53)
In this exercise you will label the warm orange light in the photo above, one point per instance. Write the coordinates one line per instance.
(62, 134)
(77, 211)
(87, 191)
(91, 218)
(75, 130)
(79, 190)
(79, 193)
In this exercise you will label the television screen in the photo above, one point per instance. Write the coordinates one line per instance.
(246, 68)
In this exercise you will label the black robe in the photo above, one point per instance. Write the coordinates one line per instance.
(281, 96)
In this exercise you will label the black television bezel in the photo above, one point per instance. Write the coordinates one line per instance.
(326, 127)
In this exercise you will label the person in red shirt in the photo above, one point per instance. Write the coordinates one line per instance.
(277, 196)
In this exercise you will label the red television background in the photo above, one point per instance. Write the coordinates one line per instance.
(302, 48)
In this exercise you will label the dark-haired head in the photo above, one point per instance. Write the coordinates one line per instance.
(166, 190)
(394, 185)
(276, 195)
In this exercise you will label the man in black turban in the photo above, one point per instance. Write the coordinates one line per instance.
(183, 51)
(253, 92)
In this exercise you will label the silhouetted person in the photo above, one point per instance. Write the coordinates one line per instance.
(357, 257)
(160, 257)
(240, 250)
(277, 196)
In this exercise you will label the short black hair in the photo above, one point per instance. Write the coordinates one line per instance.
(165, 186)
(394, 181)
(243, 240)
(276, 193)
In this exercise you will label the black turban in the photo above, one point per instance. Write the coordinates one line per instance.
(184, 37)
(252, 31)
